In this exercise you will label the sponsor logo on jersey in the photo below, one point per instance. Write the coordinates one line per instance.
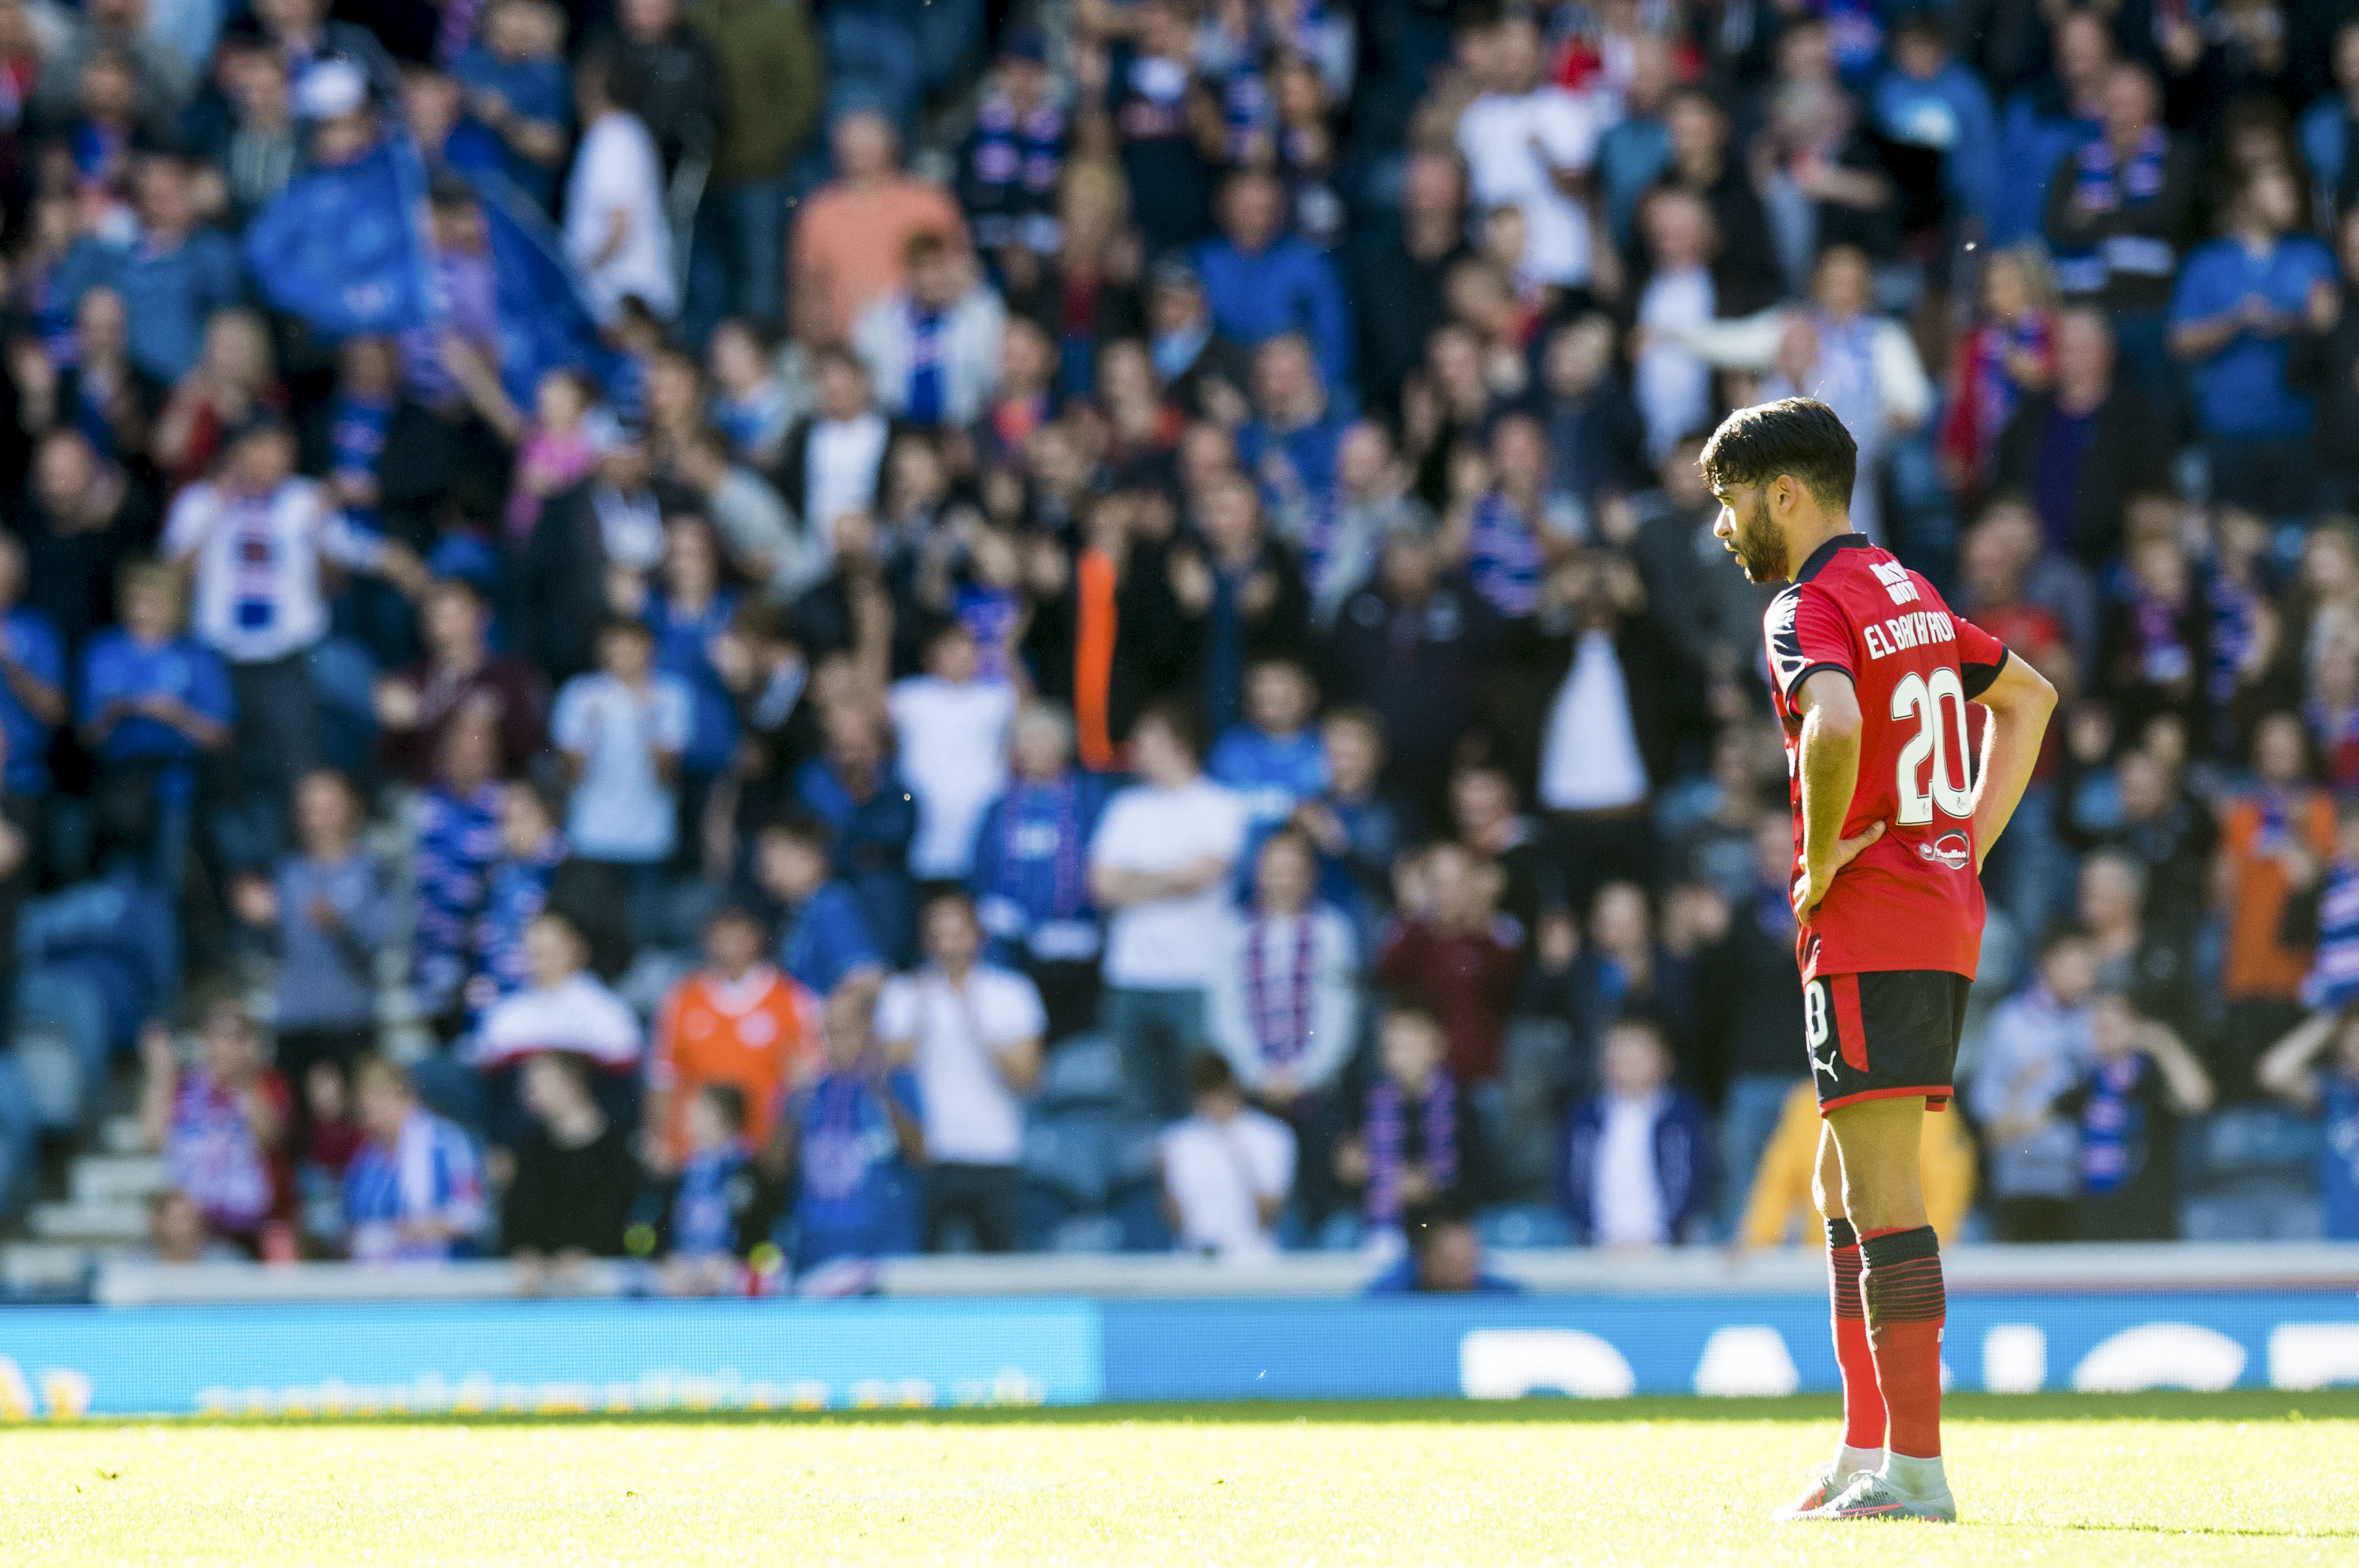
(1950, 850)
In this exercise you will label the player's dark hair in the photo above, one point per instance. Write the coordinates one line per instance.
(1800, 436)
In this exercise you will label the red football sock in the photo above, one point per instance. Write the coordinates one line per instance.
(1862, 1401)
(1900, 1280)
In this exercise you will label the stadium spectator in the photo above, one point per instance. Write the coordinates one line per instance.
(1030, 879)
(950, 728)
(1261, 282)
(2073, 448)
(1450, 951)
(823, 936)
(2119, 210)
(1638, 1168)
(2239, 301)
(325, 913)
(170, 272)
(2274, 842)
(561, 1007)
(1528, 144)
(854, 1147)
(459, 679)
(714, 1202)
(1746, 1000)
(1160, 863)
(177, 1234)
(851, 239)
(1416, 1140)
(414, 1192)
(972, 1034)
(1354, 828)
(1283, 1008)
(616, 231)
(221, 1124)
(1274, 760)
(1444, 1258)
(84, 519)
(1203, 372)
(575, 1179)
(155, 706)
(2324, 364)
(770, 85)
(2036, 1046)
(1411, 646)
(1227, 1168)
(621, 733)
(854, 788)
(737, 1023)
(932, 346)
(2328, 1090)
(32, 684)
(515, 79)
(2139, 1079)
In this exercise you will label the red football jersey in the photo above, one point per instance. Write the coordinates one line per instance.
(1912, 900)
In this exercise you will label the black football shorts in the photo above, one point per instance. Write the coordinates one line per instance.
(1884, 1035)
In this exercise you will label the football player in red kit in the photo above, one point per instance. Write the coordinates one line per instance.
(1893, 815)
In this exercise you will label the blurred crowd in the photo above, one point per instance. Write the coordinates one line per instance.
(758, 637)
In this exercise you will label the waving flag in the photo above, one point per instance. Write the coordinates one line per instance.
(545, 323)
(344, 247)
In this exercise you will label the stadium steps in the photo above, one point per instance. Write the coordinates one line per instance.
(115, 1178)
(46, 1268)
(110, 1223)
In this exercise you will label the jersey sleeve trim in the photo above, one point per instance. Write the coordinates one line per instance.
(1794, 687)
(1979, 678)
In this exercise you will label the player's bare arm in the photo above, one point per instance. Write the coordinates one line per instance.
(1829, 768)
(2020, 701)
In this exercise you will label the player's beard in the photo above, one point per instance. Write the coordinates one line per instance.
(1760, 548)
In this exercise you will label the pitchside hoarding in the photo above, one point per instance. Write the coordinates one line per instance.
(633, 1356)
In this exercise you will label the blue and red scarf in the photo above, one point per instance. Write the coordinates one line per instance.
(1279, 1006)
(2101, 182)
(1388, 1147)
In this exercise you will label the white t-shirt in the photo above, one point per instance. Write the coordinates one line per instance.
(1215, 1170)
(1628, 1202)
(971, 1117)
(1496, 133)
(578, 1014)
(1589, 760)
(616, 170)
(622, 809)
(1673, 383)
(256, 562)
(1168, 943)
(953, 740)
(840, 468)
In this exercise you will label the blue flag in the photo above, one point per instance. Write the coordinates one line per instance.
(343, 247)
(545, 323)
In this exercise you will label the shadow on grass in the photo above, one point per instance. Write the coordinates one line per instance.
(2237, 1404)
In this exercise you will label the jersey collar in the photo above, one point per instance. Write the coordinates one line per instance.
(1825, 553)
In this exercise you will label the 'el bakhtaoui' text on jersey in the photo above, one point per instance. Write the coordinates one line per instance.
(1912, 900)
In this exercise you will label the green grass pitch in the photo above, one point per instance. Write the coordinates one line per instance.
(2223, 1478)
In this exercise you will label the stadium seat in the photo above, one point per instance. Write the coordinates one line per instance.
(1084, 1070)
(1513, 1226)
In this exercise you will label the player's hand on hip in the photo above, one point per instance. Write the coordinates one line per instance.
(1811, 887)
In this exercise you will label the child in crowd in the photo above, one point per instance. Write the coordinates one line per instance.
(824, 937)
(622, 733)
(2140, 1079)
(1276, 759)
(458, 842)
(155, 705)
(1357, 830)
(1226, 1170)
(1636, 1167)
(562, 1007)
(852, 1144)
(575, 1176)
(711, 1220)
(750, 405)
(2008, 352)
(220, 1123)
(557, 453)
(413, 1193)
(2328, 1090)
(737, 1022)
(1413, 1142)
(326, 913)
